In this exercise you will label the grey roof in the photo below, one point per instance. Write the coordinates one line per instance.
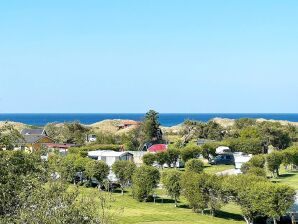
(33, 132)
(31, 138)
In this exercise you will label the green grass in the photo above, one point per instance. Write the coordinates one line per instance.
(217, 168)
(129, 211)
(289, 177)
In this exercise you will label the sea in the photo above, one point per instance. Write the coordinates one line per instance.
(166, 119)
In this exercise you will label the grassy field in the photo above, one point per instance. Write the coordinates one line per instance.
(129, 211)
(289, 177)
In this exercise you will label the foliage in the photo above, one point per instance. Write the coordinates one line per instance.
(144, 180)
(194, 165)
(171, 180)
(149, 159)
(172, 156)
(275, 134)
(9, 136)
(124, 170)
(84, 149)
(54, 204)
(203, 191)
(20, 173)
(72, 132)
(274, 161)
(250, 146)
(272, 200)
(237, 189)
(151, 127)
(290, 156)
(161, 158)
(190, 152)
(255, 166)
(209, 149)
(97, 169)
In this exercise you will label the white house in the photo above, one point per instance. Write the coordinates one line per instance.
(110, 157)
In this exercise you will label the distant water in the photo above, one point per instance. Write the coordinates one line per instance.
(165, 119)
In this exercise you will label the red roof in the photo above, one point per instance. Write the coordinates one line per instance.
(157, 148)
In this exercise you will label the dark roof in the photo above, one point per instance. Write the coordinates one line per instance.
(33, 132)
(31, 138)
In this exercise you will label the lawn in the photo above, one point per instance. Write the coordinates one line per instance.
(217, 168)
(129, 211)
(289, 177)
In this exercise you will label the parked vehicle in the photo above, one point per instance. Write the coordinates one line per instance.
(227, 159)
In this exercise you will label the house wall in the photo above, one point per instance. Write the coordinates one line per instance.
(37, 145)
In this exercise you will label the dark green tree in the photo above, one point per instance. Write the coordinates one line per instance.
(151, 127)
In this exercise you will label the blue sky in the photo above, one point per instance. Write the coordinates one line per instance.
(130, 56)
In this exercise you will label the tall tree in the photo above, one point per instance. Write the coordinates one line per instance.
(151, 126)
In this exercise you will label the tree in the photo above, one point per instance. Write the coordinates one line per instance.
(20, 173)
(9, 136)
(194, 165)
(151, 127)
(255, 166)
(190, 152)
(172, 156)
(238, 190)
(144, 180)
(97, 169)
(149, 159)
(124, 170)
(249, 145)
(275, 134)
(171, 180)
(272, 200)
(190, 183)
(161, 158)
(274, 161)
(209, 149)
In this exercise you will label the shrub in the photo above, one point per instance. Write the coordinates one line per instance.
(149, 159)
(190, 152)
(194, 165)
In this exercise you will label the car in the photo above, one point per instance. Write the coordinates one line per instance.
(227, 159)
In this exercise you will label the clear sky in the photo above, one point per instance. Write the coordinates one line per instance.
(130, 56)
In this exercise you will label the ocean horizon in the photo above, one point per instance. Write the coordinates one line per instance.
(166, 119)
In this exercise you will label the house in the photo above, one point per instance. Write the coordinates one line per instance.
(127, 123)
(33, 139)
(110, 157)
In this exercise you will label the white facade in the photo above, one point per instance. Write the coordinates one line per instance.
(110, 157)
(241, 158)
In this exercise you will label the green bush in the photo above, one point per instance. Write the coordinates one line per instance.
(149, 159)
(190, 152)
(194, 165)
